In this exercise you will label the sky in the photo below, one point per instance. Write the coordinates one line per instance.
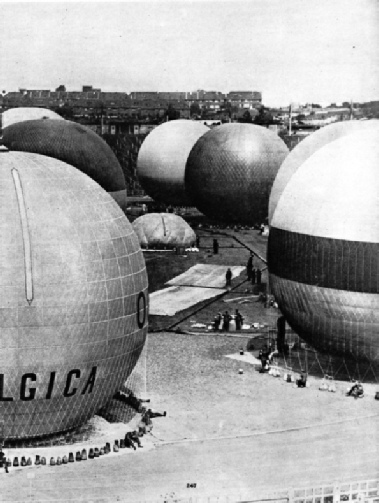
(301, 51)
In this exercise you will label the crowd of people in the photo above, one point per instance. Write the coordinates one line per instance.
(266, 356)
(254, 274)
(228, 322)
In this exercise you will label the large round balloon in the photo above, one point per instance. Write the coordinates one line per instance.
(163, 230)
(162, 159)
(14, 115)
(230, 171)
(73, 296)
(323, 248)
(309, 146)
(72, 143)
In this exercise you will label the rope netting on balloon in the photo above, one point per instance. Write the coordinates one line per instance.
(127, 401)
(137, 381)
(301, 358)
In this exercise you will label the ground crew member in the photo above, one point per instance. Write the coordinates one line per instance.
(150, 414)
(3, 461)
(217, 321)
(253, 273)
(302, 382)
(135, 438)
(228, 277)
(356, 390)
(239, 320)
(215, 246)
(259, 276)
(226, 321)
(249, 266)
(129, 442)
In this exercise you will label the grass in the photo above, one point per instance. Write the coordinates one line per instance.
(163, 266)
(166, 265)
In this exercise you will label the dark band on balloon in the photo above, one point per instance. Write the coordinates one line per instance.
(69, 142)
(324, 262)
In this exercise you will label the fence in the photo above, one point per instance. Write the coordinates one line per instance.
(362, 492)
(366, 491)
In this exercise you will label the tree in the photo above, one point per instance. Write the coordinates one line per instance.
(65, 111)
(229, 109)
(195, 109)
(246, 117)
(264, 118)
(171, 113)
(204, 112)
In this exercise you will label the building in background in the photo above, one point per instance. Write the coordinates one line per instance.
(92, 104)
(124, 119)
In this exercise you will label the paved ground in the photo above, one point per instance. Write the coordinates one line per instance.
(238, 435)
(241, 468)
(245, 436)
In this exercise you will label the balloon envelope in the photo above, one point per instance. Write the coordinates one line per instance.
(163, 230)
(14, 115)
(162, 159)
(309, 146)
(73, 296)
(230, 171)
(323, 248)
(72, 143)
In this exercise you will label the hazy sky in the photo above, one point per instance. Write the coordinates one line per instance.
(291, 50)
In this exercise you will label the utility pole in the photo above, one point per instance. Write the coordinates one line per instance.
(351, 110)
(102, 118)
(290, 121)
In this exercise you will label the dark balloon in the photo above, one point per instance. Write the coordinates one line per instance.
(72, 143)
(73, 296)
(230, 172)
(323, 248)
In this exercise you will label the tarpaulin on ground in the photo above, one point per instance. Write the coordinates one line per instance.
(246, 357)
(170, 300)
(206, 275)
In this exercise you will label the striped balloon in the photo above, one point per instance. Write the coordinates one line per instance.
(323, 248)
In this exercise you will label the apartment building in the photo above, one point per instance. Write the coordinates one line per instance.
(95, 103)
